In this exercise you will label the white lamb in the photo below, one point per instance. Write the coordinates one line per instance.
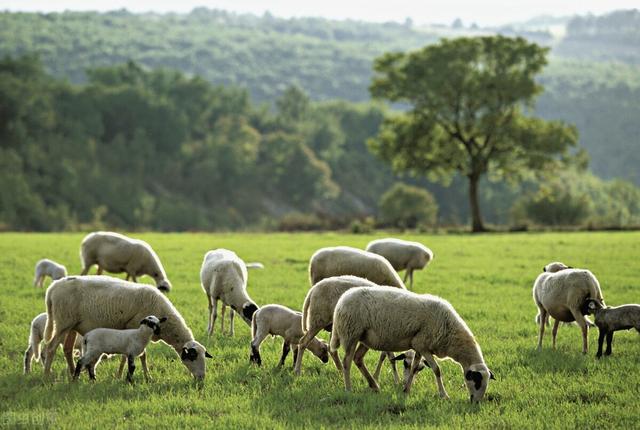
(49, 268)
(117, 253)
(344, 260)
(562, 293)
(278, 320)
(389, 319)
(403, 255)
(131, 343)
(36, 335)
(223, 276)
(79, 304)
(317, 314)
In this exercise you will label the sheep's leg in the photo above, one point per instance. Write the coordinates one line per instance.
(410, 279)
(91, 368)
(359, 360)
(123, 361)
(350, 351)
(85, 269)
(210, 326)
(554, 332)
(394, 369)
(145, 369)
(79, 366)
(67, 348)
(336, 360)
(543, 316)
(50, 349)
(376, 373)
(28, 354)
(585, 330)
(231, 315)
(601, 337)
(295, 355)
(406, 276)
(214, 315)
(609, 340)
(224, 310)
(99, 271)
(414, 368)
(134, 279)
(131, 368)
(285, 351)
(433, 364)
(255, 347)
(304, 342)
(128, 277)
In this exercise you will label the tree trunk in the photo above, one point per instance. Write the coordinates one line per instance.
(476, 218)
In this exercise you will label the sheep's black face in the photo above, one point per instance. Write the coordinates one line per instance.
(477, 380)
(590, 306)
(248, 310)
(153, 323)
(189, 354)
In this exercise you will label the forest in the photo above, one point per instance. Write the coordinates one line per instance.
(213, 120)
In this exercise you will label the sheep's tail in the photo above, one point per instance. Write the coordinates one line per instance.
(335, 340)
(254, 265)
(48, 331)
(305, 313)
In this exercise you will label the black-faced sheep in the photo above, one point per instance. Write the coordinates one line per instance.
(562, 292)
(390, 319)
(612, 319)
(117, 253)
(79, 304)
(403, 255)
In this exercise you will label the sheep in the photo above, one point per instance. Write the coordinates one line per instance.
(561, 292)
(344, 260)
(389, 319)
(78, 304)
(611, 319)
(223, 276)
(131, 343)
(117, 253)
(317, 314)
(36, 335)
(279, 320)
(403, 255)
(49, 268)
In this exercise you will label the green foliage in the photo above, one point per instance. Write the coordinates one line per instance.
(406, 206)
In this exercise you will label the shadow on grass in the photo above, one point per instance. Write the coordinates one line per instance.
(555, 361)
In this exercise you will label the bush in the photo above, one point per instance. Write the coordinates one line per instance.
(296, 221)
(406, 206)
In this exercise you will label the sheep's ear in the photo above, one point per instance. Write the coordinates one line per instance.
(491, 375)
(569, 267)
(469, 375)
(426, 363)
(184, 354)
(399, 357)
(143, 321)
(206, 354)
(544, 269)
(163, 319)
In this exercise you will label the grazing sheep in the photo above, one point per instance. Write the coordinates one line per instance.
(610, 319)
(49, 268)
(389, 319)
(561, 292)
(344, 260)
(317, 314)
(403, 255)
(223, 276)
(131, 343)
(117, 253)
(36, 335)
(281, 321)
(83, 303)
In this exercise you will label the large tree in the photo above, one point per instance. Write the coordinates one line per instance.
(468, 102)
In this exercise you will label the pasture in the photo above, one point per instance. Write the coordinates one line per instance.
(487, 278)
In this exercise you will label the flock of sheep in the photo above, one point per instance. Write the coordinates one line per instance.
(355, 294)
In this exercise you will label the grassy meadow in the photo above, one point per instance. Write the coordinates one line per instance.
(487, 278)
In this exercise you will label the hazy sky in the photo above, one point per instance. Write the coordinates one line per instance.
(485, 12)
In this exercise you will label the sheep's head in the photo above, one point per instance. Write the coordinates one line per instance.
(320, 349)
(591, 306)
(153, 323)
(554, 267)
(477, 378)
(162, 283)
(193, 356)
(248, 309)
(407, 359)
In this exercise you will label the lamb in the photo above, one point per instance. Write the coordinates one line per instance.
(78, 304)
(131, 343)
(279, 320)
(389, 319)
(403, 255)
(344, 260)
(117, 253)
(561, 292)
(49, 268)
(317, 314)
(36, 335)
(223, 276)
(611, 319)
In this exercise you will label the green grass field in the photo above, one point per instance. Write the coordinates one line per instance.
(487, 278)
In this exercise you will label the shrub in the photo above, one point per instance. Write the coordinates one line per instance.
(406, 206)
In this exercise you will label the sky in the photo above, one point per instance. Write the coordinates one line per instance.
(484, 13)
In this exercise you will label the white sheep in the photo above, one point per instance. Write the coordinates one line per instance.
(46, 267)
(223, 276)
(389, 319)
(117, 253)
(562, 292)
(611, 319)
(344, 260)
(277, 320)
(317, 314)
(36, 335)
(403, 255)
(130, 342)
(78, 304)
